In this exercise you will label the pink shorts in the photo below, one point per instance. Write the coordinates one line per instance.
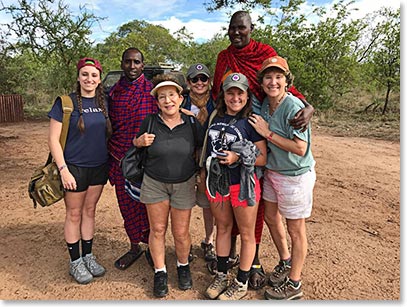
(233, 196)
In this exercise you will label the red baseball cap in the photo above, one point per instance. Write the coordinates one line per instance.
(89, 62)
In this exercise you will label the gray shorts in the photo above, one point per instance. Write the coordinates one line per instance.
(202, 200)
(181, 195)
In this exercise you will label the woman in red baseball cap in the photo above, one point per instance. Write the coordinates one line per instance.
(83, 165)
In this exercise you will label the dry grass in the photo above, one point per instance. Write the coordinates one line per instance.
(349, 118)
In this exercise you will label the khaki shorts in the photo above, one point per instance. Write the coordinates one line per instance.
(293, 194)
(181, 195)
(202, 200)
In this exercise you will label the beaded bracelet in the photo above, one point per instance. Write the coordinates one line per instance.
(269, 138)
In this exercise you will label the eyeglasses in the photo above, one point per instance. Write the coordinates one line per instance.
(202, 78)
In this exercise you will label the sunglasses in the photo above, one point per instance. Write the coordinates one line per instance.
(202, 78)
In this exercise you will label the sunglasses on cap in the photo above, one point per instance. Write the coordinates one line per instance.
(203, 78)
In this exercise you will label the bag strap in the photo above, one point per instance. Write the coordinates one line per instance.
(192, 122)
(150, 123)
(150, 126)
(67, 108)
(203, 152)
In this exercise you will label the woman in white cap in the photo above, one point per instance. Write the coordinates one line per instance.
(168, 187)
(289, 178)
(234, 148)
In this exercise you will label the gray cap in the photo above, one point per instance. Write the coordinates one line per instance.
(235, 80)
(198, 69)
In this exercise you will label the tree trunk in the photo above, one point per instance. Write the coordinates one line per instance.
(387, 98)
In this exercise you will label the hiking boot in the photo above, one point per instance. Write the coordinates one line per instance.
(79, 272)
(286, 291)
(160, 284)
(224, 181)
(93, 266)
(218, 285)
(234, 292)
(217, 179)
(184, 277)
(211, 177)
(280, 272)
(209, 251)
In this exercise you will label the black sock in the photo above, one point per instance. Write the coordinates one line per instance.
(87, 247)
(73, 249)
(242, 276)
(223, 264)
(256, 260)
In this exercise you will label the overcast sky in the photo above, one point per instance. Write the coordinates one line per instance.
(174, 14)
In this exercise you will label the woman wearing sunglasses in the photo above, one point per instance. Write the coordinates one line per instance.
(199, 101)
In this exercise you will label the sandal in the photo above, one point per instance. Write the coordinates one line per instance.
(128, 259)
(257, 277)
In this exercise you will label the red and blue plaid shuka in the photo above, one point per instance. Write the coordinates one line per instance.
(129, 104)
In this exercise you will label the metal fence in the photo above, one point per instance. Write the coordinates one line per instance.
(11, 108)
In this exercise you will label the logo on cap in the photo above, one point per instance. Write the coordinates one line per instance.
(199, 67)
(235, 77)
(273, 60)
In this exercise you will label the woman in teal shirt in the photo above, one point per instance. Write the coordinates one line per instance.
(289, 177)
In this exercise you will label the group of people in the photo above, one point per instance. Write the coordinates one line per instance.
(243, 140)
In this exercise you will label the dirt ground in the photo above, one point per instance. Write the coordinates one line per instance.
(353, 233)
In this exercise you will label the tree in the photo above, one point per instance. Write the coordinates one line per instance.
(214, 5)
(54, 36)
(207, 52)
(156, 43)
(384, 56)
(320, 54)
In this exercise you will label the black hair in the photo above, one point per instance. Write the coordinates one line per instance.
(133, 49)
(242, 14)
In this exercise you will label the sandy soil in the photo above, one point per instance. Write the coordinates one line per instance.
(354, 231)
